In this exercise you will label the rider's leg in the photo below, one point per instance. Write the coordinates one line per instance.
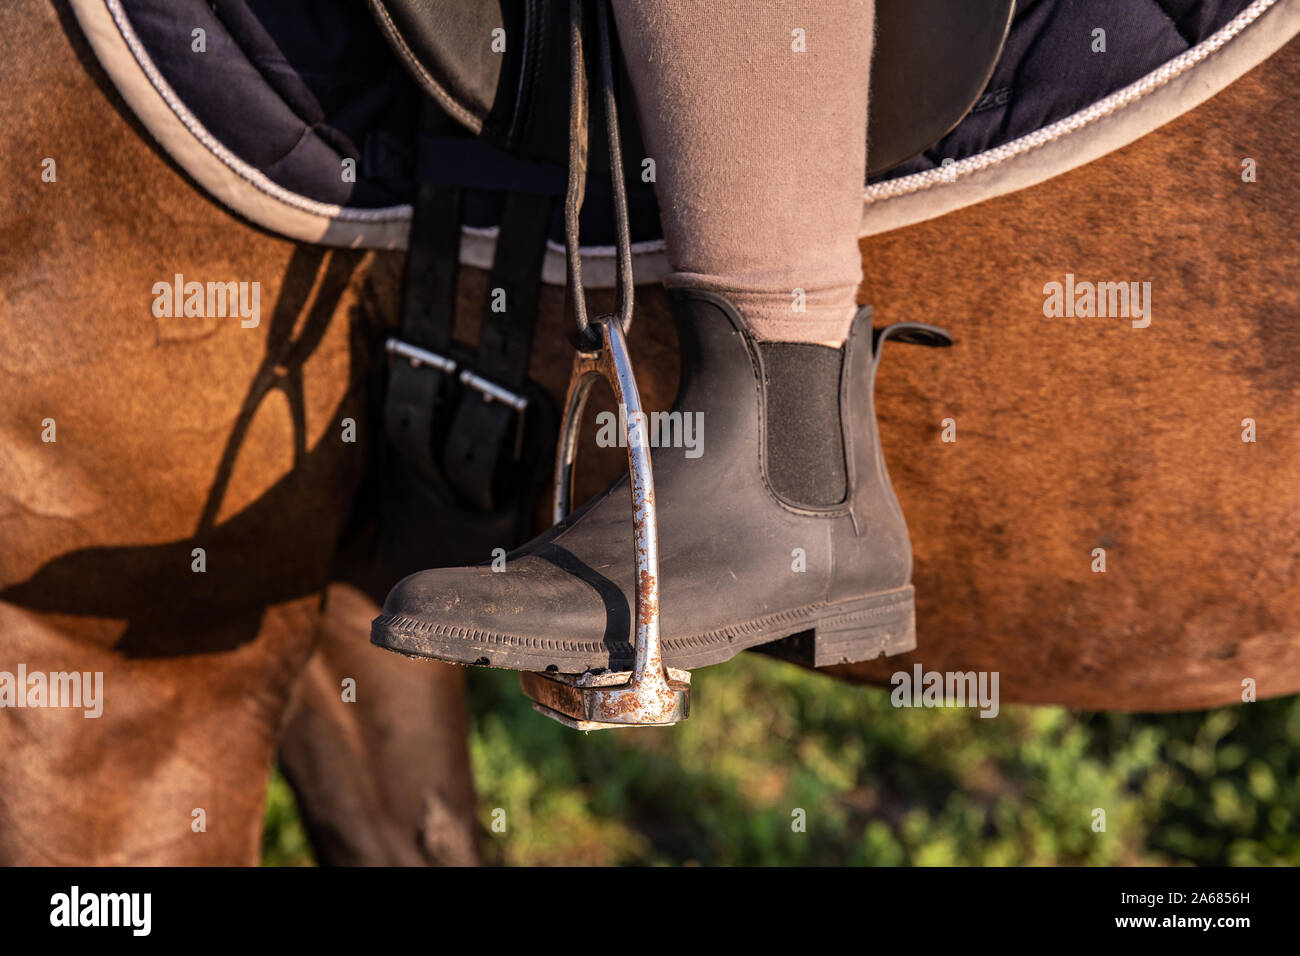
(756, 118)
(775, 515)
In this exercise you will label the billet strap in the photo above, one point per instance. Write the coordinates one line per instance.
(489, 427)
(417, 390)
(507, 338)
(458, 414)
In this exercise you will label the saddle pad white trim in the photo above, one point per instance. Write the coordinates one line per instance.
(229, 179)
(1126, 115)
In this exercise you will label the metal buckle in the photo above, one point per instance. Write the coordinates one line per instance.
(491, 391)
(418, 356)
(649, 695)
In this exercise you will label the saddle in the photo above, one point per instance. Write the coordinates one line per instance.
(288, 91)
(501, 69)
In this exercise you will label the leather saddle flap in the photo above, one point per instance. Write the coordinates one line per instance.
(501, 68)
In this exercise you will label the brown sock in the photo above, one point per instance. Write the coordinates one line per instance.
(756, 117)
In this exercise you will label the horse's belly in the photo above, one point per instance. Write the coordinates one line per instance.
(1080, 437)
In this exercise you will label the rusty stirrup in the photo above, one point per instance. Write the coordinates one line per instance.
(650, 694)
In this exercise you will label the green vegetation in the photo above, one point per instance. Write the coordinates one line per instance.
(284, 842)
(877, 785)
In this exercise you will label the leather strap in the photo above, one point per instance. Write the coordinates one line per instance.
(418, 394)
(507, 337)
(487, 431)
(447, 422)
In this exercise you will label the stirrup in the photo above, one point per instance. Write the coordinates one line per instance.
(650, 695)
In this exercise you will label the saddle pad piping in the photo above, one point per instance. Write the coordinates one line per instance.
(1124, 99)
(252, 176)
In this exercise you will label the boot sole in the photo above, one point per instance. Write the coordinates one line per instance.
(819, 635)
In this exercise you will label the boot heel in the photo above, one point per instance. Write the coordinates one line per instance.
(877, 627)
(884, 624)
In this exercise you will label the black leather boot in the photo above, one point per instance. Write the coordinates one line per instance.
(780, 527)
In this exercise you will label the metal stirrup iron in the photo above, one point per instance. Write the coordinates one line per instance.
(650, 694)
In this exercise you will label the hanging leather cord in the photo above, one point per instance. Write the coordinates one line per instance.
(579, 123)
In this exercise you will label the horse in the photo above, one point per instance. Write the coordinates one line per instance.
(175, 498)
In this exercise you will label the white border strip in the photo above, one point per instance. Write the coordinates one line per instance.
(250, 174)
(1136, 100)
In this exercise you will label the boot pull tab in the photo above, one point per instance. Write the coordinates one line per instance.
(909, 333)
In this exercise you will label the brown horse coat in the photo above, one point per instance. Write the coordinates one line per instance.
(1072, 435)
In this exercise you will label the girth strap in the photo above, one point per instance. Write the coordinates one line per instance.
(418, 390)
(489, 425)
(457, 414)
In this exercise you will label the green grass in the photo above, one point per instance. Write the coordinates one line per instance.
(284, 842)
(768, 744)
